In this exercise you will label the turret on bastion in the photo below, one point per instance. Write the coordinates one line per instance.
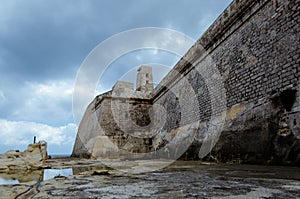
(144, 85)
(144, 81)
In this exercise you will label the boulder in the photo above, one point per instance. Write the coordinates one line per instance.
(32, 158)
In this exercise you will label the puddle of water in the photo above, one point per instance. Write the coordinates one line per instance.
(21, 177)
(40, 175)
(32, 176)
(51, 173)
(8, 181)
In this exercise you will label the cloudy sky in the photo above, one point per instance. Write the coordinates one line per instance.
(44, 42)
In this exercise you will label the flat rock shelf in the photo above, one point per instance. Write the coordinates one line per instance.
(182, 179)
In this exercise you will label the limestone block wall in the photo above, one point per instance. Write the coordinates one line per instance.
(123, 89)
(112, 126)
(254, 48)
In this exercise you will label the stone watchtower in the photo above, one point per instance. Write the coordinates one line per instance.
(144, 81)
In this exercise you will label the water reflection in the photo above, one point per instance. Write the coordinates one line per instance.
(17, 177)
(21, 177)
(8, 181)
(51, 173)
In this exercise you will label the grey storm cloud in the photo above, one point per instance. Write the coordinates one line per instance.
(44, 42)
(49, 39)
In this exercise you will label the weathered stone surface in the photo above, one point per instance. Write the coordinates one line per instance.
(123, 89)
(256, 133)
(32, 158)
(253, 62)
(104, 147)
(120, 120)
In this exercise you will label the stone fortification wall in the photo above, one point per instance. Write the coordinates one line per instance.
(112, 125)
(236, 91)
(251, 52)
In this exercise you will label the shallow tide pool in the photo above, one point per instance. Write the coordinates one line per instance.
(33, 176)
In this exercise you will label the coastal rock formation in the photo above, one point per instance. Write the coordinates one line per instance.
(32, 158)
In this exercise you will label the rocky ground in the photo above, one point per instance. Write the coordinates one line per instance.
(182, 179)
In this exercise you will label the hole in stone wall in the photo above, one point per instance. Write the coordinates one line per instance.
(288, 98)
(295, 122)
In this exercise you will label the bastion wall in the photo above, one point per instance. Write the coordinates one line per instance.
(239, 82)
